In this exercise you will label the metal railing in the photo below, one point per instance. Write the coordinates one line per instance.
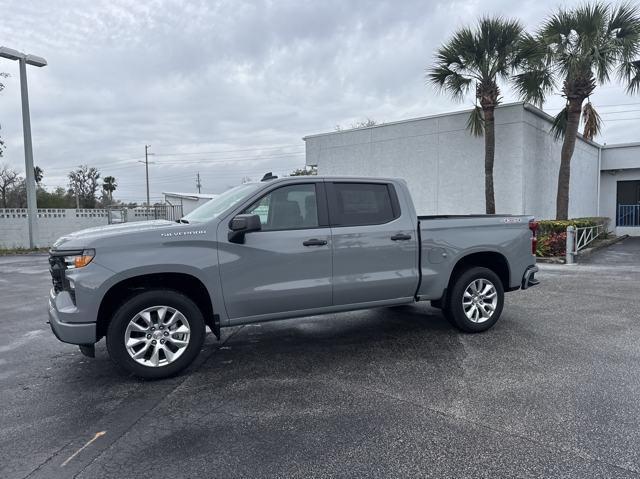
(156, 212)
(580, 238)
(628, 215)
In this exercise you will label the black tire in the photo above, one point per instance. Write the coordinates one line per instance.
(148, 299)
(454, 310)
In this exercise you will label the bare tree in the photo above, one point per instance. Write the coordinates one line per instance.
(8, 179)
(366, 123)
(306, 171)
(2, 75)
(83, 184)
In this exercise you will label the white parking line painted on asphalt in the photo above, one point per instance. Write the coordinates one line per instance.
(87, 444)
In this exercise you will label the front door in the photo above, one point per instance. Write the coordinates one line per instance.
(285, 267)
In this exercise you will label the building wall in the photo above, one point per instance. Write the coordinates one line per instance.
(188, 204)
(620, 157)
(619, 163)
(541, 153)
(443, 163)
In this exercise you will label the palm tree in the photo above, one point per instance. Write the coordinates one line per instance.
(38, 174)
(479, 58)
(109, 185)
(581, 48)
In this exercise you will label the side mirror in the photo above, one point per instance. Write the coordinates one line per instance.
(241, 225)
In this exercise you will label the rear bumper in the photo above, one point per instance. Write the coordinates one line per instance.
(65, 331)
(529, 279)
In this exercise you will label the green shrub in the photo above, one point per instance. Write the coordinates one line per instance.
(546, 227)
(552, 234)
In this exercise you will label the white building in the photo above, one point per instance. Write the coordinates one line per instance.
(189, 201)
(443, 165)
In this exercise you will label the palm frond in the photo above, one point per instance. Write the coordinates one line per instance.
(443, 78)
(559, 126)
(592, 121)
(475, 123)
(629, 73)
(534, 85)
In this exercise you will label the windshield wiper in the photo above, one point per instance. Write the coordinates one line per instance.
(182, 220)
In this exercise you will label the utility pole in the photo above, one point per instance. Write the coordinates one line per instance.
(146, 166)
(198, 184)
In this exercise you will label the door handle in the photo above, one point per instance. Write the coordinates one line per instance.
(400, 237)
(314, 242)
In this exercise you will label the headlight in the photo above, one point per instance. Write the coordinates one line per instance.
(81, 260)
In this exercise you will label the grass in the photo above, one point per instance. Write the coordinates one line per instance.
(11, 251)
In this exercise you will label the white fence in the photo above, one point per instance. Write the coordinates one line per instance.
(580, 238)
(53, 223)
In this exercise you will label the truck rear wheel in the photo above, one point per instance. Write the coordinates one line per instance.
(475, 301)
(156, 334)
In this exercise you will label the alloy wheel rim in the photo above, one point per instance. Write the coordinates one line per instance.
(480, 300)
(157, 336)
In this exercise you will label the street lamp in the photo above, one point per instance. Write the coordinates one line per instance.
(24, 60)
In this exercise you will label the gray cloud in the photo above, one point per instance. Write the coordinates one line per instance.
(241, 82)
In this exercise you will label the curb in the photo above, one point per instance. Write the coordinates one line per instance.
(551, 260)
(584, 253)
(608, 242)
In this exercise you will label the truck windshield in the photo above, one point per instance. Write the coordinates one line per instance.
(211, 209)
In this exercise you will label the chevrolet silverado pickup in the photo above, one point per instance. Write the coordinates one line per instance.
(274, 249)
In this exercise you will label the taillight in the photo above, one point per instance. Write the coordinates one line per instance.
(533, 226)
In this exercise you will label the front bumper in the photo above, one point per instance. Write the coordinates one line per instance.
(529, 279)
(61, 307)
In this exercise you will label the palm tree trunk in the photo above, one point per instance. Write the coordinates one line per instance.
(568, 145)
(489, 153)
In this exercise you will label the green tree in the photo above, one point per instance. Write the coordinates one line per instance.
(57, 198)
(109, 185)
(479, 58)
(579, 49)
(38, 174)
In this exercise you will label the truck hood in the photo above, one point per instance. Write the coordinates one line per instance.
(87, 237)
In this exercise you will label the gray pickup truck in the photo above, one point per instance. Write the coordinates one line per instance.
(274, 249)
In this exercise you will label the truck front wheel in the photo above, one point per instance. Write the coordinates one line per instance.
(156, 334)
(475, 301)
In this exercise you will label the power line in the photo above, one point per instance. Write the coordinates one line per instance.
(125, 163)
(229, 151)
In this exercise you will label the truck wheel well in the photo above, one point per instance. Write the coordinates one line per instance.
(488, 259)
(186, 284)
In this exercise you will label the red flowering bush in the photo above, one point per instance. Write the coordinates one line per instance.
(553, 244)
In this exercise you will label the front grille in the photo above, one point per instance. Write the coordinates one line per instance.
(56, 268)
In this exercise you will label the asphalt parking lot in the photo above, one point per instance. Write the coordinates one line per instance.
(553, 390)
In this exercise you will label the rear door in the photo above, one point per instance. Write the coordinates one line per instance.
(285, 267)
(375, 249)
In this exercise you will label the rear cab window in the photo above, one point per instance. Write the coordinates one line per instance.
(358, 204)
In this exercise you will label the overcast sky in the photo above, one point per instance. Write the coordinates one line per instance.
(230, 88)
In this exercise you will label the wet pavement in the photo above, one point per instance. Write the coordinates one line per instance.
(552, 390)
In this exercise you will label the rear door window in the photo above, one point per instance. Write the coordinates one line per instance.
(353, 204)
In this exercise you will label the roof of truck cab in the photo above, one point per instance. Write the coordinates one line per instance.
(331, 178)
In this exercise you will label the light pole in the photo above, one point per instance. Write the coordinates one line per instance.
(32, 207)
